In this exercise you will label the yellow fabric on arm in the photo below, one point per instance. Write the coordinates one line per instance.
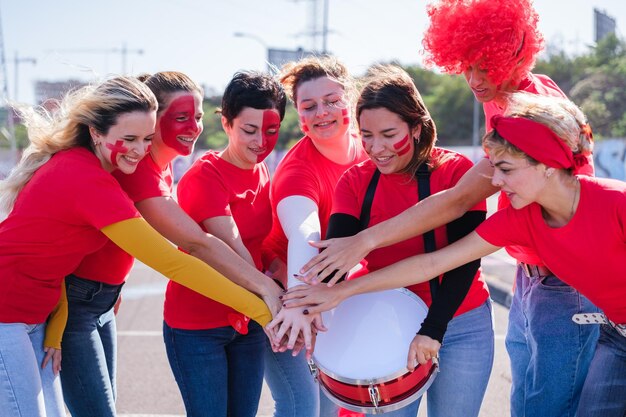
(139, 239)
(57, 321)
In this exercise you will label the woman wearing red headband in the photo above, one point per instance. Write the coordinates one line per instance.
(552, 211)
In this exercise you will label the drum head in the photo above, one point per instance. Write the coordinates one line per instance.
(369, 335)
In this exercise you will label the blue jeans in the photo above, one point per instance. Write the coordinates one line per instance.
(26, 390)
(90, 348)
(550, 354)
(293, 388)
(465, 358)
(604, 392)
(219, 372)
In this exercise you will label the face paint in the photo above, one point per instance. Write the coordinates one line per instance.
(115, 150)
(178, 125)
(402, 147)
(271, 121)
(346, 119)
(305, 128)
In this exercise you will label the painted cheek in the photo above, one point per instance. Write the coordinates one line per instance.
(171, 129)
(305, 127)
(116, 149)
(344, 114)
(270, 120)
(403, 146)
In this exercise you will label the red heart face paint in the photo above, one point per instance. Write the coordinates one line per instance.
(116, 149)
(403, 146)
(269, 132)
(178, 127)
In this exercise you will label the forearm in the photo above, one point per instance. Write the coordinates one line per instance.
(228, 263)
(420, 268)
(455, 284)
(57, 321)
(171, 221)
(436, 210)
(137, 238)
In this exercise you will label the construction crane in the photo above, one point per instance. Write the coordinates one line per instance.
(123, 51)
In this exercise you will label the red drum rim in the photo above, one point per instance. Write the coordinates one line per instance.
(395, 393)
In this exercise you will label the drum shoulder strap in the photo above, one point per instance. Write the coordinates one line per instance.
(366, 207)
(423, 191)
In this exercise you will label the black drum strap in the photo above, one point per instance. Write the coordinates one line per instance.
(423, 191)
(366, 207)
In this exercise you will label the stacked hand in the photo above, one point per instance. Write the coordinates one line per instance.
(292, 329)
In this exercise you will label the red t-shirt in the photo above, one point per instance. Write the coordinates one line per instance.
(394, 194)
(543, 86)
(55, 222)
(111, 264)
(306, 172)
(589, 252)
(214, 187)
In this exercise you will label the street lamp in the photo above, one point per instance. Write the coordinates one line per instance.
(259, 40)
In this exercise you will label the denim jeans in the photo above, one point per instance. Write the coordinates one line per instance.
(293, 388)
(550, 354)
(465, 358)
(26, 390)
(604, 392)
(219, 372)
(90, 348)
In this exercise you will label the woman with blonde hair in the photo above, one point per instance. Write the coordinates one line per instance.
(63, 204)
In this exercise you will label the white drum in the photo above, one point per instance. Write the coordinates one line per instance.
(360, 362)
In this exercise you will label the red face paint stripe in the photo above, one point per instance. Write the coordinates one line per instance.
(116, 149)
(271, 120)
(346, 119)
(402, 147)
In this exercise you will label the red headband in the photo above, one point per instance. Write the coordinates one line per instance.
(535, 140)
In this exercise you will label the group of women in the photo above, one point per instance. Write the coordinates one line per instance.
(93, 191)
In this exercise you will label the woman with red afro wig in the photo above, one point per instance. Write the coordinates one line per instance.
(500, 36)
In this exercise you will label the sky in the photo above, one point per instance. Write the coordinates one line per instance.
(73, 39)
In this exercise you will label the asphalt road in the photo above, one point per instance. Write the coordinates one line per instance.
(146, 386)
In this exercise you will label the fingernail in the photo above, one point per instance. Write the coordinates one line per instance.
(305, 312)
(280, 297)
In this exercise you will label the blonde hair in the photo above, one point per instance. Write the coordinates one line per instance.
(560, 115)
(293, 74)
(68, 127)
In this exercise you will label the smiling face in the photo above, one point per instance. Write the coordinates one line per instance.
(387, 139)
(126, 142)
(520, 180)
(251, 136)
(322, 109)
(180, 124)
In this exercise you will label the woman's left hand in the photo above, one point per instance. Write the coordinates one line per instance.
(422, 349)
(54, 355)
(318, 298)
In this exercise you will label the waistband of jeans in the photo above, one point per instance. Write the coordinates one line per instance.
(535, 271)
(98, 284)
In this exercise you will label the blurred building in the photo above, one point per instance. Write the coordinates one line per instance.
(604, 24)
(48, 93)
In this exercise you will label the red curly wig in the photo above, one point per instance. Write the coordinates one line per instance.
(500, 36)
